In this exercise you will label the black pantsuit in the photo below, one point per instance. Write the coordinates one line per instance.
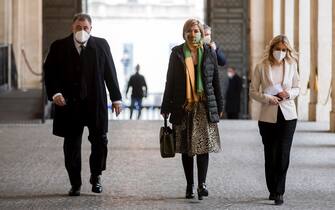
(277, 140)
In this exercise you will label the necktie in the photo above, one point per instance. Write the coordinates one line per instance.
(83, 85)
(82, 49)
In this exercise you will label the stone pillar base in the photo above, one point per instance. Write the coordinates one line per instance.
(311, 112)
(332, 122)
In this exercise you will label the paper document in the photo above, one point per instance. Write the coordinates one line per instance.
(274, 90)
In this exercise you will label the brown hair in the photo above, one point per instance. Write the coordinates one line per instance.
(291, 54)
(191, 22)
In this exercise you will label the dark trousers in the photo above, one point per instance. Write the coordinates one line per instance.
(202, 164)
(138, 102)
(72, 149)
(277, 140)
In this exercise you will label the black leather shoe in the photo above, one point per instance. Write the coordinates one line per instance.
(279, 200)
(74, 191)
(272, 196)
(189, 191)
(202, 191)
(96, 183)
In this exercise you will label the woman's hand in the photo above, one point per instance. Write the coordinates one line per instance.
(165, 115)
(284, 95)
(274, 100)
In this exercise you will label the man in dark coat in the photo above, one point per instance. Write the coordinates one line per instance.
(233, 94)
(139, 90)
(208, 40)
(76, 71)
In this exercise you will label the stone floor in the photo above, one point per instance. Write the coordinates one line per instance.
(32, 173)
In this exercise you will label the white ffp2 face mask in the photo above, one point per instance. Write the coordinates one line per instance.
(279, 55)
(81, 36)
(230, 75)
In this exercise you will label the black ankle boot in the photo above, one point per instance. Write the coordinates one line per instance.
(279, 200)
(272, 196)
(74, 191)
(202, 191)
(189, 191)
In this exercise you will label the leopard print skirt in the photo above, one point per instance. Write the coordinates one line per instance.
(196, 135)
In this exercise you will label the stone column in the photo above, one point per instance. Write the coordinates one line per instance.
(3, 15)
(5, 30)
(27, 36)
(282, 16)
(289, 20)
(296, 25)
(332, 112)
(16, 37)
(261, 32)
(314, 61)
(268, 21)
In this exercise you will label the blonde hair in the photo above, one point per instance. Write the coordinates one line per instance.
(191, 22)
(291, 54)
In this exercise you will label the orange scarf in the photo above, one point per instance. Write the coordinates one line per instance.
(194, 86)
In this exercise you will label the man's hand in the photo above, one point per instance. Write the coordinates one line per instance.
(221, 115)
(59, 100)
(117, 108)
(213, 45)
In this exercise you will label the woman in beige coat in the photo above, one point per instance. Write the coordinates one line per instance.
(275, 84)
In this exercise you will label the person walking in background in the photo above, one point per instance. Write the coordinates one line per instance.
(76, 70)
(208, 40)
(275, 84)
(233, 94)
(192, 98)
(139, 90)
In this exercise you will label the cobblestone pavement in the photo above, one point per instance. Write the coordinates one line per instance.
(32, 173)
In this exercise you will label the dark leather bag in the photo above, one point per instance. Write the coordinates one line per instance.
(167, 142)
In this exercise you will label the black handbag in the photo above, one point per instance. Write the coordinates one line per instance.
(167, 142)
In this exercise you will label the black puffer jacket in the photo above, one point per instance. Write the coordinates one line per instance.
(175, 87)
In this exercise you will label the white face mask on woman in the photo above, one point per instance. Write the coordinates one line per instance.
(279, 55)
(197, 38)
(81, 36)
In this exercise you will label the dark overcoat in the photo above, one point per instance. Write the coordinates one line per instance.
(233, 95)
(62, 74)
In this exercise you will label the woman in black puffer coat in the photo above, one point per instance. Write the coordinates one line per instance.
(193, 100)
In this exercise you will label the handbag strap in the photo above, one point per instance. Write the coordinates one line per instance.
(165, 122)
